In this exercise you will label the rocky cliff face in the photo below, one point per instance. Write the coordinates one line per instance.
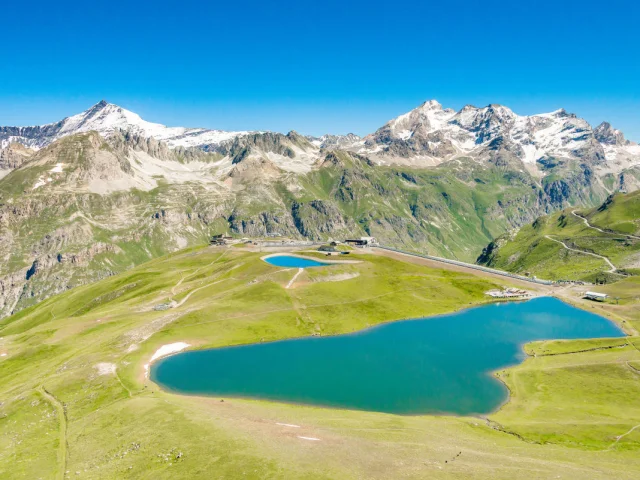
(608, 135)
(13, 156)
(331, 142)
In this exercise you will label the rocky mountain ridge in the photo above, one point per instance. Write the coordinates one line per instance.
(430, 135)
(427, 136)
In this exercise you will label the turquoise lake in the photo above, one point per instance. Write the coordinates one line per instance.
(291, 261)
(435, 365)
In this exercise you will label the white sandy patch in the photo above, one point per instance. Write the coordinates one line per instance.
(132, 348)
(105, 368)
(288, 425)
(58, 168)
(181, 241)
(39, 183)
(165, 350)
(309, 438)
(3, 354)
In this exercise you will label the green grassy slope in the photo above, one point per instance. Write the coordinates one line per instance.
(451, 210)
(74, 397)
(536, 248)
(620, 213)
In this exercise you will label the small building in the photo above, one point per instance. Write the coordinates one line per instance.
(355, 242)
(220, 239)
(509, 293)
(361, 242)
(598, 297)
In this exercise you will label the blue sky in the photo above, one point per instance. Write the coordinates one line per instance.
(318, 66)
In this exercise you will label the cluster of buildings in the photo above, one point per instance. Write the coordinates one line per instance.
(510, 293)
(362, 242)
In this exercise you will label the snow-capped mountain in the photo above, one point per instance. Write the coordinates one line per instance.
(430, 135)
(105, 118)
(426, 136)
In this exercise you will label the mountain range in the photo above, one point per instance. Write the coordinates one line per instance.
(104, 190)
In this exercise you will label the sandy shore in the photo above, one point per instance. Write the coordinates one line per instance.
(163, 351)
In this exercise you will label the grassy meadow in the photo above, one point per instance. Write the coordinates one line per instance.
(75, 401)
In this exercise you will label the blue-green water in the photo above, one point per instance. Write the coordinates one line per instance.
(435, 365)
(293, 262)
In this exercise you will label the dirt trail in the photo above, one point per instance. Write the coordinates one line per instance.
(123, 385)
(620, 437)
(586, 222)
(173, 289)
(613, 268)
(183, 276)
(62, 419)
(300, 270)
(181, 302)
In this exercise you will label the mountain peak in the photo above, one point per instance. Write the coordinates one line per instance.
(98, 107)
(606, 134)
(431, 105)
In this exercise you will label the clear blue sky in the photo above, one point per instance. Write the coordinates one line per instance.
(318, 66)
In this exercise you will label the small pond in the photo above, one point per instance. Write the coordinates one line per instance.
(291, 261)
(434, 365)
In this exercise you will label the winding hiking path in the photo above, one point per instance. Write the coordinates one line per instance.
(62, 419)
(613, 268)
(620, 437)
(586, 222)
(300, 270)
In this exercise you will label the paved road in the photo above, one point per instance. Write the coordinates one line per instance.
(470, 265)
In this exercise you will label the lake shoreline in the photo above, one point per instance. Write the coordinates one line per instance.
(491, 374)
